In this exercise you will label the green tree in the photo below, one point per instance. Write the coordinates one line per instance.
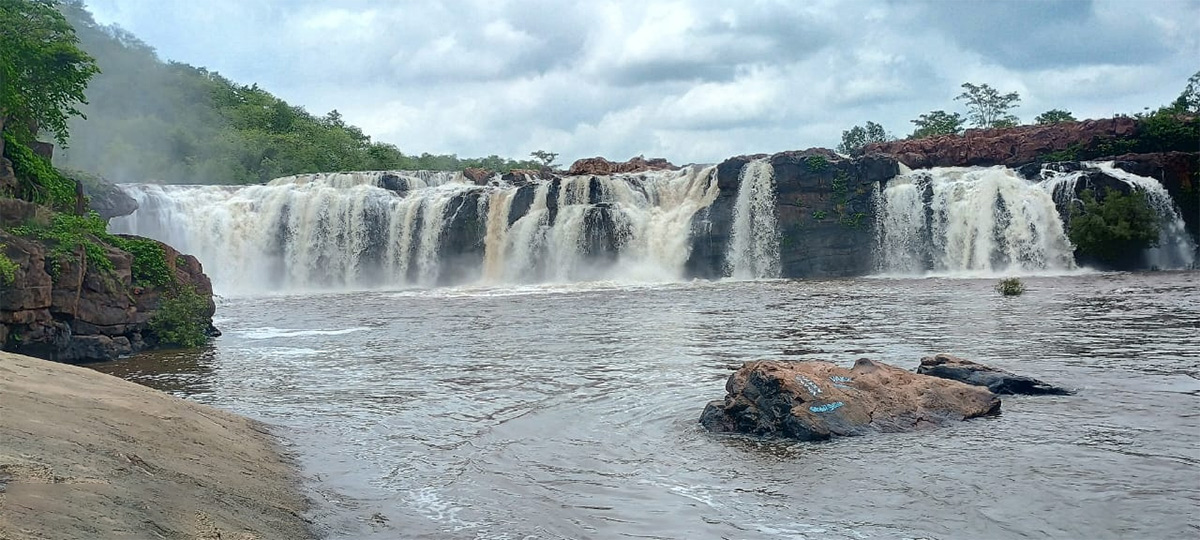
(1113, 230)
(43, 73)
(546, 158)
(988, 108)
(937, 123)
(1189, 100)
(855, 138)
(1055, 116)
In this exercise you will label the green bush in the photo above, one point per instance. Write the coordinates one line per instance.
(149, 261)
(1010, 287)
(1114, 229)
(69, 233)
(37, 180)
(816, 164)
(8, 268)
(180, 319)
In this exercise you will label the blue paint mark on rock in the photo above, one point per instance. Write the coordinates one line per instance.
(841, 379)
(808, 385)
(826, 407)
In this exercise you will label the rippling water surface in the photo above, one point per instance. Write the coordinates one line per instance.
(570, 411)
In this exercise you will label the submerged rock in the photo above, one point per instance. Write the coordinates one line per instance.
(815, 401)
(999, 381)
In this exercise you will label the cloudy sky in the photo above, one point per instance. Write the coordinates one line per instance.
(692, 81)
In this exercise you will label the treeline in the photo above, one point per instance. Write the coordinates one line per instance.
(986, 108)
(149, 120)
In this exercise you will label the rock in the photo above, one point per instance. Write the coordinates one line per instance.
(104, 197)
(1008, 146)
(65, 310)
(998, 381)
(603, 167)
(815, 401)
(477, 176)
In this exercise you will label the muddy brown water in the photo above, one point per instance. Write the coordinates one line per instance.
(570, 411)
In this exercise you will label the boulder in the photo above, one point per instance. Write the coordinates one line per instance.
(603, 167)
(815, 401)
(950, 367)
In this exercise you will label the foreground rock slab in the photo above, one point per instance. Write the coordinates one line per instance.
(88, 455)
(815, 401)
(997, 380)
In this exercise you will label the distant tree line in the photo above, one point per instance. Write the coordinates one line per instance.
(149, 120)
(988, 108)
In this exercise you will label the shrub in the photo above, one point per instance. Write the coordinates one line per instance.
(180, 319)
(38, 181)
(70, 233)
(1114, 229)
(149, 260)
(1010, 287)
(8, 268)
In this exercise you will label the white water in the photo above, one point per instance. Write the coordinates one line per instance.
(754, 242)
(345, 230)
(977, 220)
(1175, 249)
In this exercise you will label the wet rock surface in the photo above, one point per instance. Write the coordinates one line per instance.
(998, 381)
(815, 401)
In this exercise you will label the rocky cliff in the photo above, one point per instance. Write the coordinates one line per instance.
(64, 308)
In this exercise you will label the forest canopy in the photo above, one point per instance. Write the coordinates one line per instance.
(154, 121)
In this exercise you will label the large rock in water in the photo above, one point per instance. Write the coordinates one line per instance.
(814, 401)
(997, 380)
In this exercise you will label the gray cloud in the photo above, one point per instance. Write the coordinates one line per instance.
(688, 80)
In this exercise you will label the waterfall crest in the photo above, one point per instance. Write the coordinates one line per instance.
(421, 229)
(754, 240)
(954, 219)
(991, 220)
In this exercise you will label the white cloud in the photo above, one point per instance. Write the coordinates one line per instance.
(686, 80)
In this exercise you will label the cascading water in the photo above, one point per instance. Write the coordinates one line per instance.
(754, 240)
(1175, 250)
(349, 230)
(976, 220)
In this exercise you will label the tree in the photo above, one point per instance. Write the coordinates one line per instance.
(1189, 100)
(988, 108)
(547, 158)
(855, 138)
(937, 123)
(43, 73)
(1113, 230)
(1055, 116)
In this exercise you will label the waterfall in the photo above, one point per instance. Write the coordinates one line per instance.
(976, 220)
(754, 240)
(990, 220)
(406, 229)
(1175, 250)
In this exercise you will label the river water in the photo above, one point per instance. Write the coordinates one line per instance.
(570, 411)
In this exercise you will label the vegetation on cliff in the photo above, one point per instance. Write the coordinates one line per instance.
(1111, 229)
(43, 75)
(150, 120)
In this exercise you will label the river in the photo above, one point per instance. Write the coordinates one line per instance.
(569, 411)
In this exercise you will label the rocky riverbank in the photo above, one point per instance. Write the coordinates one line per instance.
(87, 455)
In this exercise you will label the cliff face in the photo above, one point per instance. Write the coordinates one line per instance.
(60, 308)
(825, 211)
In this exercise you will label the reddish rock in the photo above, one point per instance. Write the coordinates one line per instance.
(818, 400)
(66, 310)
(1007, 146)
(478, 176)
(602, 167)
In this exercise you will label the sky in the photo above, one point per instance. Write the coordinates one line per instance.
(691, 81)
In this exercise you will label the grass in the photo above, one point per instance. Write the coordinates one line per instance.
(1010, 287)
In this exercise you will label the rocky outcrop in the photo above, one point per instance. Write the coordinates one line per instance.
(61, 308)
(103, 196)
(815, 401)
(603, 167)
(824, 206)
(1007, 146)
(998, 381)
